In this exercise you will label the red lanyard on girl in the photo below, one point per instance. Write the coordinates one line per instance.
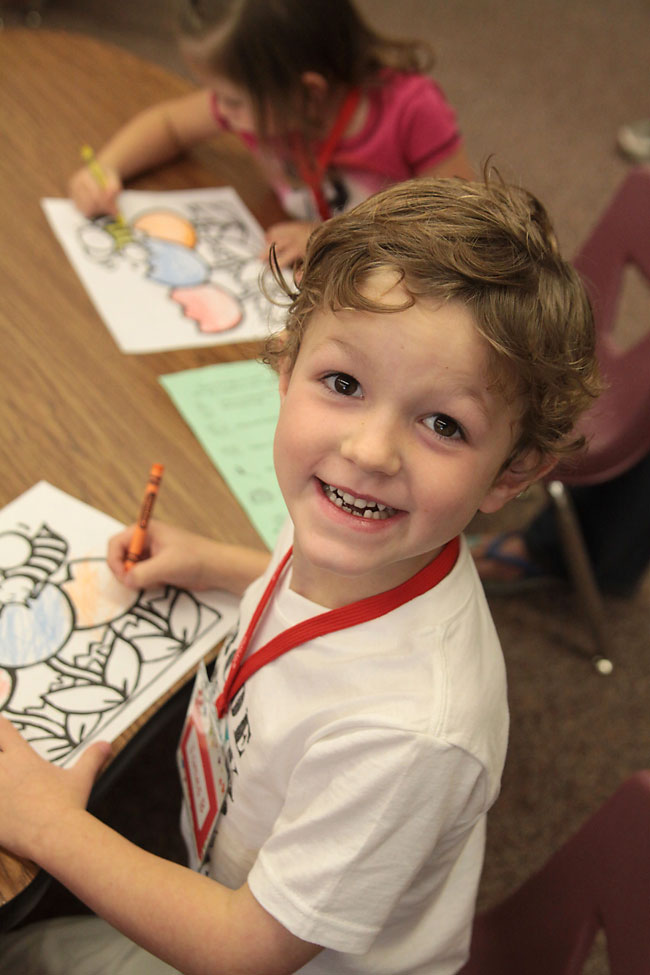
(312, 172)
(335, 619)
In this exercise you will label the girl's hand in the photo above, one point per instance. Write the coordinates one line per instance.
(89, 197)
(290, 240)
(36, 796)
(173, 556)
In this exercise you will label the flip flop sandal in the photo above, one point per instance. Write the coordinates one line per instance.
(531, 576)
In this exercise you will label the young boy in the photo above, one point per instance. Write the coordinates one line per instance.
(435, 359)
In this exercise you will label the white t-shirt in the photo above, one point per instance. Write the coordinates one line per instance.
(362, 766)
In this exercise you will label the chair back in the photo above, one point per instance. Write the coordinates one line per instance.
(617, 426)
(599, 878)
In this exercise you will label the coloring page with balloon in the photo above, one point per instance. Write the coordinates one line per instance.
(180, 269)
(82, 656)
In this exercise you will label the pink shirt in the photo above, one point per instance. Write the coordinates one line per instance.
(409, 128)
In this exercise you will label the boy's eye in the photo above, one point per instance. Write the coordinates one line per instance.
(342, 383)
(445, 426)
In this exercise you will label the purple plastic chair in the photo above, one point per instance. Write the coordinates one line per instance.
(600, 878)
(618, 425)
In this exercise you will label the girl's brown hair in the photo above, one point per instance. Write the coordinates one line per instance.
(265, 47)
(488, 245)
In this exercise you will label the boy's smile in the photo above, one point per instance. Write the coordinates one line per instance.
(360, 507)
(391, 436)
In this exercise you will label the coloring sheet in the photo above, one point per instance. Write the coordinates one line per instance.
(81, 656)
(232, 409)
(180, 269)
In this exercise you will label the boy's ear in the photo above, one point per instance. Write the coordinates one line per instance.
(522, 472)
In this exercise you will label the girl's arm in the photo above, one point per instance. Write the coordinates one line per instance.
(190, 921)
(149, 139)
(160, 133)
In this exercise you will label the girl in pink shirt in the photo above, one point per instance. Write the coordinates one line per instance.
(333, 110)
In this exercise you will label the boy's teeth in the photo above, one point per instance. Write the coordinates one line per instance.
(358, 506)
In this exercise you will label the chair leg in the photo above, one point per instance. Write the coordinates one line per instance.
(581, 573)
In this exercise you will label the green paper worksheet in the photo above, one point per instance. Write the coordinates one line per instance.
(232, 408)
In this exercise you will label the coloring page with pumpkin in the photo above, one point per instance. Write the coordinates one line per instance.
(82, 656)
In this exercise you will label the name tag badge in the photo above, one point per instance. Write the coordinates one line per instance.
(202, 768)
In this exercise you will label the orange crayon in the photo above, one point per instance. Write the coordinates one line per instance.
(136, 545)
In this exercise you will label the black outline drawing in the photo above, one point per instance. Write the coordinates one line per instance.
(224, 256)
(76, 676)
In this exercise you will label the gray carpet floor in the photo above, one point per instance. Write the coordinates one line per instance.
(541, 87)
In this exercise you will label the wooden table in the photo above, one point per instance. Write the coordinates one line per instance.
(75, 410)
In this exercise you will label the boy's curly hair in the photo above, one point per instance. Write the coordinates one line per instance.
(488, 245)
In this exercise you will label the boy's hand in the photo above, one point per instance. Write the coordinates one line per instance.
(290, 240)
(176, 557)
(173, 556)
(36, 796)
(89, 197)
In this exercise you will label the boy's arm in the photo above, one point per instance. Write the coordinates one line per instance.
(188, 920)
(149, 139)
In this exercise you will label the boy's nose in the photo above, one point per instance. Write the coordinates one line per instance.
(374, 447)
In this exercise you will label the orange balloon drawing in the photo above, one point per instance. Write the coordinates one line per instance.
(166, 225)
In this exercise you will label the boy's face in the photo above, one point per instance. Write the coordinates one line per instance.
(390, 438)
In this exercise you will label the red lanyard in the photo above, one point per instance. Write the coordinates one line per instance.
(334, 619)
(313, 174)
